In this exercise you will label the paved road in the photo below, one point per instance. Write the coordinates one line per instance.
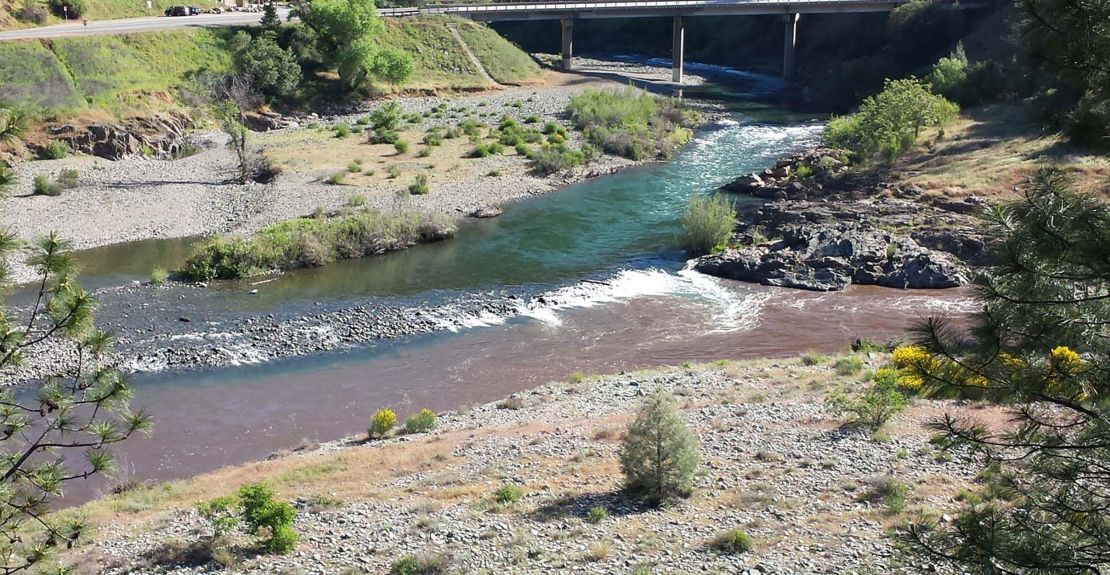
(131, 25)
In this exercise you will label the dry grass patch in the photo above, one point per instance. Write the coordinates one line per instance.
(989, 151)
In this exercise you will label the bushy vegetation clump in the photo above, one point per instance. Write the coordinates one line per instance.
(272, 69)
(422, 422)
(871, 408)
(968, 84)
(420, 186)
(889, 123)
(255, 508)
(733, 541)
(420, 565)
(345, 33)
(309, 242)
(508, 494)
(707, 223)
(632, 123)
(659, 453)
(65, 180)
(382, 422)
(56, 150)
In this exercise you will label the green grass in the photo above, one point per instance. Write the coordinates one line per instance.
(114, 73)
(308, 242)
(437, 60)
(505, 63)
(32, 77)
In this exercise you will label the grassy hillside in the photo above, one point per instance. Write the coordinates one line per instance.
(111, 73)
(119, 75)
(97, 10)
(503, 60)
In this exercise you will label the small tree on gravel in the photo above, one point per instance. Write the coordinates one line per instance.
(64, 429)
(230, 119)
(659, 454)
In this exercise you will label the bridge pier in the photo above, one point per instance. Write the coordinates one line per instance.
(678, 50)
(791, 21)
(567, 23)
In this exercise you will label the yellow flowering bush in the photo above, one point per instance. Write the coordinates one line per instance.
(382, 422)
(1066, 359)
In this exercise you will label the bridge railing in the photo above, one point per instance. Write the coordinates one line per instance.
(449, 7)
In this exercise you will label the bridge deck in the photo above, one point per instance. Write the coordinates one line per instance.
(643, 8)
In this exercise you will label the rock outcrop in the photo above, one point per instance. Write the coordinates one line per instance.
(831, 257)
(831, 227)
(159, 135)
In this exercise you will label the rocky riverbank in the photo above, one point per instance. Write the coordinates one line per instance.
(826, 227)
(142, 197)
(774, 463)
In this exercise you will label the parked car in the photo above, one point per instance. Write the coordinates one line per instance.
(194, 11)
(177, 11)
(216, 10)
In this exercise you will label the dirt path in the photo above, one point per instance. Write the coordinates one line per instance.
(470, 54)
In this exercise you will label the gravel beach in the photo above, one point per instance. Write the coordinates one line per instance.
(775, 463)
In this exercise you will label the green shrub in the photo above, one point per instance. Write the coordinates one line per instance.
(424, 152)
(72, 9)
(420, 186)
(552, 159)
(597, 514)
(394, 172)
(401, 146)
(632, 123)
(659, 454)
(382, 423)
(889, 123)
(388, 117)
(424, 565)
(889, 492)
(485, 150)
(31, 13)
(336, 179)
(56, 150)
(848, 366)
(307, 242)
(811, 358)
(803, 172)
(222, 513)
(494, 173)
(65, 180)
(508, 494)
(342, 130)
(261, 511)
(159, 276)
(355, 167)
(872, 408)
(384, 136)
(733, 541)
(533, 119)
(707, 223)
(422, 422)
(470, 127)
(434, 138)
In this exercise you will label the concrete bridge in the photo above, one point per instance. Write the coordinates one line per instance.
(568, 12)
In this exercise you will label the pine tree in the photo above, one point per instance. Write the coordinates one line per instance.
(1041, 345)
(83, 410)
(270, 21)
(660, 454)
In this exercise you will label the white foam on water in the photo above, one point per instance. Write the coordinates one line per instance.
(730, 309)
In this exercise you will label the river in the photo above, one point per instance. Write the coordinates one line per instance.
(608, 244)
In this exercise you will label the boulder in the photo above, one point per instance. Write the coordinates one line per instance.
(826, 257)
(486, 212)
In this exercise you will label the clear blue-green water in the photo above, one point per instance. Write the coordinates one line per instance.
(626, 220)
